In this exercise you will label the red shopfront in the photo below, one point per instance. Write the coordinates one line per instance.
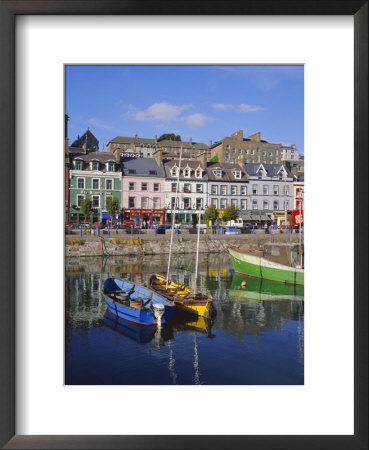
(140, 216)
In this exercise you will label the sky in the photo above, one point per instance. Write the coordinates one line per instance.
(199, 102)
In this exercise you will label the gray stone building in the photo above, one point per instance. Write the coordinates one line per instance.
(228, 184)
(145, 147)
(239, 150)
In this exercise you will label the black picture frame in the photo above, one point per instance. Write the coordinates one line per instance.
(8, 11)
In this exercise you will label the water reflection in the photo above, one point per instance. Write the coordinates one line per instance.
(188, 349)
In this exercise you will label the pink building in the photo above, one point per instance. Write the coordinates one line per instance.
(143, 183)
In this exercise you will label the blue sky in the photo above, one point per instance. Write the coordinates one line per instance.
(202, 102)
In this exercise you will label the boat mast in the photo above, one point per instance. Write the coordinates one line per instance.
(173, 215)
(197, 251)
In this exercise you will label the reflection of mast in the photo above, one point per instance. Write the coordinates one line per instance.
(197, 254)
(172, 372)
(196, 361)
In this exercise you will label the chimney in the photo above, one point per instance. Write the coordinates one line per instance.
(66, 145)
(136, 136)
(293, 146)
(238, 135)
(255, 137)
(190, 141)
(158, 156)
(156, 138)
(210, 143)
(84, 146)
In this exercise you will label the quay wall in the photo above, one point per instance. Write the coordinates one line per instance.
(122, 245)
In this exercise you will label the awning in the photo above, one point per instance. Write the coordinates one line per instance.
(245, 216)
(105, 215)
(259, 217)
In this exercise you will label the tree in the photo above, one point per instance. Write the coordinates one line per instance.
(211, 213)
(86, 206)
(112, 206)
(215, 158)
(231, 213)
(170, 137)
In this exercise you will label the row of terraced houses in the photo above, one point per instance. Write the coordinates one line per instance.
(149, 180)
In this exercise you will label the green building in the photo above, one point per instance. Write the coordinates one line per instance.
(97, 176)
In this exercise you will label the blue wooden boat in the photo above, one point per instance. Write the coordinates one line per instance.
(136, 303)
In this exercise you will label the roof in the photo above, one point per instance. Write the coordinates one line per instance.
(165, 143)
(143, 167)
(271, 169)
(102, 157)
(228, 170)
(192, 164)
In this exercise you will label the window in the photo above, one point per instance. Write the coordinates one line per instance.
(227, 156)
(286, 190)
(240, 151)
(187, 188)
(286, 204)
(233, 190)
(270, 153)
(243, 204)
(174, 187)
(246, 152)
(223, 189)
(280, 175)
(264, 153)
(292, 157)
(237, 174)
(109, 184)
(265, 189)
(265, 204)
(252, 152)
(233, 150)
(156, 187)
(80, 183)
(227, 146)
(96, 201)
(131, 186)
(218, 173)
(111, 167)
(276, 160)
(79, 200)
(198, 203)
(243, 190)
(199, 188)
(144, 202)
(214, 189)
(234, 202)
(78, 165)
(131, 171)
(254, 189)
(95, 183)
(174, 172)
(156, 203)
(275, 190)
(223, 203)
(254, 204)
(276, 152)
(152, 172)
(173, 202)
(187, 203)
(144, 186)
(198, 173)
(260, 175)
(275, 204)
(95, 165)
(187, 173)
(214, 202)
(131, 202)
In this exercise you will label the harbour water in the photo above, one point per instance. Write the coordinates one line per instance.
(256, 338)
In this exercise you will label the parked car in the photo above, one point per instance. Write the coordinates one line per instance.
(129, 223)
(98, 225)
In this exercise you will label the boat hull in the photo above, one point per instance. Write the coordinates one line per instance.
(183, 297)
(259, 267)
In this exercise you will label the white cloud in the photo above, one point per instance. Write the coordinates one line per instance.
(197, 120)
(244, 107)
(222, 106)
(162, 112)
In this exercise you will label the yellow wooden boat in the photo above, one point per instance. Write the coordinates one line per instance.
(184, 297)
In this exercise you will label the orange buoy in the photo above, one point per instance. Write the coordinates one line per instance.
(244, 284)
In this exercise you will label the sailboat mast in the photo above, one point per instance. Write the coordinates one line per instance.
(173, 215)
(197, 252)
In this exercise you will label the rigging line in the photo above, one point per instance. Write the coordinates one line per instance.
(173, 215)
(197, 253)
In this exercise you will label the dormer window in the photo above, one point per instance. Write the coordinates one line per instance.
(198, 173)
(187, 173)
(78, 164)
(94, 165)
(110, 166)
(218, 173)
(174, 172)
(237, 174)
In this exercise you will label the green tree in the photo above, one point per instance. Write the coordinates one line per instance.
(112, 206)
(215, 158)
(86, 206)
(211, 213)
(170, 137)
(231, 213)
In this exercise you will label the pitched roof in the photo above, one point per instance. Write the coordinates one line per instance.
(228, 170)
(271, 169)
(165, 143)
(142, 167)
(193, 164)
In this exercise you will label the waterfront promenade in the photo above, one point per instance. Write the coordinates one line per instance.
(148, 243)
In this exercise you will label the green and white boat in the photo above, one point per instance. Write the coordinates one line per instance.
(282, 262)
